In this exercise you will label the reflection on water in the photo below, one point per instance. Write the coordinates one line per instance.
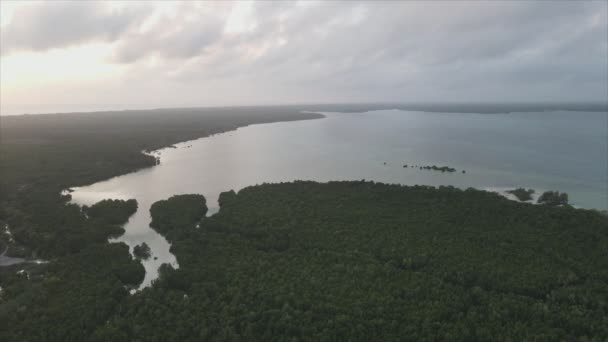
(9, 261)
(563, 151)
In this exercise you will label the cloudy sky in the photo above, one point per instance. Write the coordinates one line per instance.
(159, 54)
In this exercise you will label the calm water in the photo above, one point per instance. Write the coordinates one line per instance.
(565, 151)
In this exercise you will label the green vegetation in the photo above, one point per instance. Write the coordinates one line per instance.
(77, 291)
(142, 251)
(86, 278)
(112, 211)
(338, 261)
(522, 194)
(67, 229)
(40, 155)
(172, 223)
(367, 261)
(300, 261)
(554, 198)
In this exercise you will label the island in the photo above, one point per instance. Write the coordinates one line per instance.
(433, 168)
(111, 211)
(439, 168)
(142, 251)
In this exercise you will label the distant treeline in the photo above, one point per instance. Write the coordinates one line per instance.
(522, 194)
(555, 198)
(40, 155)
(481, 108)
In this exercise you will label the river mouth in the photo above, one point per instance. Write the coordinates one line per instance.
(137, 229)
(497, 151)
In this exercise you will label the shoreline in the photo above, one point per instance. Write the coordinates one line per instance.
(429, 107)
(156, 155)
(132, 240)
(153, 151)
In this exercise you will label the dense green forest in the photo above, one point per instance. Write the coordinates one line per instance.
(171, 223)
(366, 261)
(296, 261)
(70, 297)
(111, 211)
(362, 261)
(40, 155)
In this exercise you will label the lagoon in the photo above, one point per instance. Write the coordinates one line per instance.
(556, 150)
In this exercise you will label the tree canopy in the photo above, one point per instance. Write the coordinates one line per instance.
(369, 261)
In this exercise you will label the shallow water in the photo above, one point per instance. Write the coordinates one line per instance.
(563, 151)
(9, 261)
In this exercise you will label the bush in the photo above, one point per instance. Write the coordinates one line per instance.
(553, 198)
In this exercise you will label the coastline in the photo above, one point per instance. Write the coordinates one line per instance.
(151, 264)
(153, 154)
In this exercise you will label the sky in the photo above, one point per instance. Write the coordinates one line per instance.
(139, 54)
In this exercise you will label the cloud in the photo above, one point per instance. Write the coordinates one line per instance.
(277, 52)
(50, 25)
(181, 34)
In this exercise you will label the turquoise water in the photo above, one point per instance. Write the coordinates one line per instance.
(565, 151)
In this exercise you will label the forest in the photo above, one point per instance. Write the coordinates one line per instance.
(41, 155)
(77, 291)
(85, 278)
(294, 261)
(364, 261)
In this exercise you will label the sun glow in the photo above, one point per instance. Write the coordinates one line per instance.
(86, 62)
